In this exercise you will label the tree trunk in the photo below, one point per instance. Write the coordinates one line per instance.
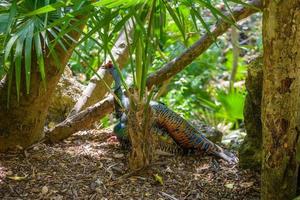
(22, 123)
(140, 123)
(280, 101)
(250, 150)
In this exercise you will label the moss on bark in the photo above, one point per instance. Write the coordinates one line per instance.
(250, 150)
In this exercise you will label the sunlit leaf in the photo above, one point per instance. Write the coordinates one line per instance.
(46, 9)
(17, 178)
(159, 179)
(175, 18)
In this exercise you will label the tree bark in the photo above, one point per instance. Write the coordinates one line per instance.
(80, 121)
(280, 101)
(22, 123)
(251, 149)
(139, 125)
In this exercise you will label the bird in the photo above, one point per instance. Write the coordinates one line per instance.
(121, 103)
(167, 124)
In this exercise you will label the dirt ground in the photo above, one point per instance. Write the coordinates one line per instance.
(90, 166)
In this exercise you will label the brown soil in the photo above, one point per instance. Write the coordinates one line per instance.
(89, 166)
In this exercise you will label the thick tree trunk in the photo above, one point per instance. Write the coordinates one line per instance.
(22, 123)
(280, 101)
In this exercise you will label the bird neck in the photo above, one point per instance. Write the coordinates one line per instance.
(117, 79)
(120, 95)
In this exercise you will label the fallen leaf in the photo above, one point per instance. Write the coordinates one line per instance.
(17, 178)
(118, 155)
(9, 173)
(247, 184)
(51, 125)
(229, 185)
(45, 190)
(159, 179)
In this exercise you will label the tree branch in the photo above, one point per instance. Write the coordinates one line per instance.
(80, 121)
(96, 88)
(179, 63)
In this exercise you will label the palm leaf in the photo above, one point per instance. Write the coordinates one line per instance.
(40, 57)
(175, 18)
(28, 50)
(245, 4)
(18, 58)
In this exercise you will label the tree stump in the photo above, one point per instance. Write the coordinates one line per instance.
(250, 151)
(140, 121)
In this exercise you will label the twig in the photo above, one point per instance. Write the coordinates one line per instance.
(169, 196)
(12, 189)
(132, 173)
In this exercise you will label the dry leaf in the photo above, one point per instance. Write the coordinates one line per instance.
(17, 178)
(9, 173)
(45, 190)
(229, 185)
(247, 184)
(118, 155)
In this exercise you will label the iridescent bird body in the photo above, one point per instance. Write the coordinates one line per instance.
(167, 124)
(180, 130)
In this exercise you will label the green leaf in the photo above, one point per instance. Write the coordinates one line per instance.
(40, 57)
(9, 46)
(10, 77)
(46, 9)
(233, 104)
(245, 4)
(217, 12)
(18, 61)
(117, 3)
(175, 18)
(159, 179)
(3, 22)
(12, 15)
(28, 50)
(206, 27)
(138, 61)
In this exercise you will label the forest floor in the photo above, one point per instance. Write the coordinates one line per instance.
(90, 166)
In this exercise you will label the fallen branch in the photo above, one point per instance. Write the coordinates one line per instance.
(179, 63)
(80, 121)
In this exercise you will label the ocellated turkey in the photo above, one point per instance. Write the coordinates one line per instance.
(167, 123)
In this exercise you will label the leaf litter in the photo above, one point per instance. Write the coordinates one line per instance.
(90, 166)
